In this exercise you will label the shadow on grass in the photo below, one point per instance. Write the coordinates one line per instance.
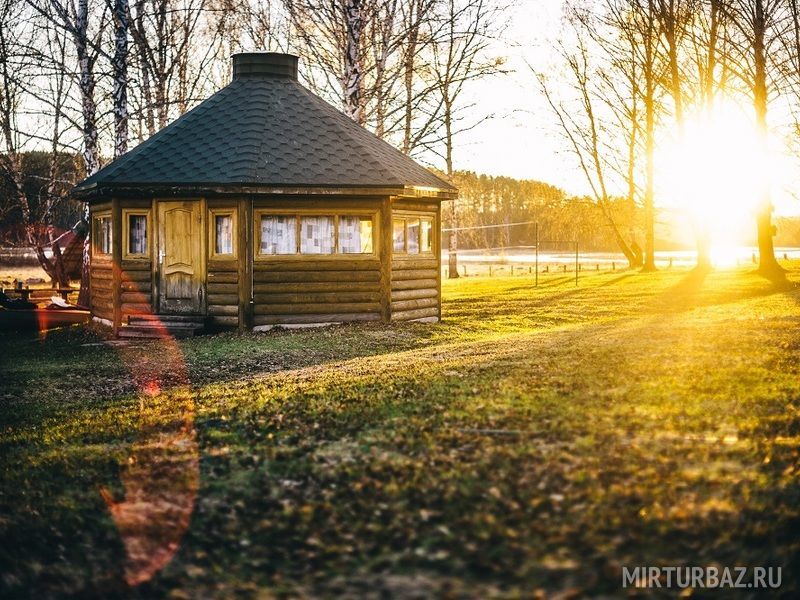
(314, 477)
(697, 290)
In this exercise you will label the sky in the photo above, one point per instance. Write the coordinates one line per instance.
(521, 138)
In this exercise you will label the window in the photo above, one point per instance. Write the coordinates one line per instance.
(311, 234)
(278, 234)
(399, 235)
(137, 234)
(102, 234)
(223, 242)
(222, 233)
(426, 235)
(355, 235)
(316, 235)
(412, 235)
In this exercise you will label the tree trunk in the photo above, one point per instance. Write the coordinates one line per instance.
(353, 76)
(408, 77)
(452, 255)
(766, 251)
(89, 112)
(649, 105)
(119, 66)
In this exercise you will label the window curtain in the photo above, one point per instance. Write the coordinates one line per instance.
(427, 235)
(137, 235)
(413, 236)
(399, 235)
(316, 235)
(104, 237)
(224, 237)
(355, 235)
(278, 235)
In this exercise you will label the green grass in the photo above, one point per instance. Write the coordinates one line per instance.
(535, 441)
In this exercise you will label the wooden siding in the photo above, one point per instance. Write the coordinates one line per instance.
(300, 289)
(416, 279)
(101, 286)
(316, 291)
(222, 290)
(415, 288)
(136, 288)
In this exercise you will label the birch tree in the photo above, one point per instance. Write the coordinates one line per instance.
(119, 67)
(12, 24)
(74, 18)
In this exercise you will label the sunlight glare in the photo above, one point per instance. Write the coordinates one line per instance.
(714, 176)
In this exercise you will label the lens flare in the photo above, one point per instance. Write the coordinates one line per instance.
(714, 173)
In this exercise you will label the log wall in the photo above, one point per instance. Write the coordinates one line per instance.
(416, 279)
(222, 289)
(316, 291)
(284, 290)
(101, 287)
(308, 289)
(136, 288)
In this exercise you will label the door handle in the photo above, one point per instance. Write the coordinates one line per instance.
(200, 294)
(161, 257)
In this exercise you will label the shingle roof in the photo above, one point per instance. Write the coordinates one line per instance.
(263, 131)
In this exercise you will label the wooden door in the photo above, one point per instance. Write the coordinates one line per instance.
(180, 258)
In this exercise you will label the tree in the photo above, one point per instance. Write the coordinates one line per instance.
(75, 19)
(333, 36)
(119, 65)
(461, 36)
(12, 84)
(706, 30)
(595, 106)
(757, 30)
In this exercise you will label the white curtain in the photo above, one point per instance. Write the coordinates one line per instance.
(137, 235)
(104, 237)
(413, 236)
(278, 234)
(355, 235)
(316, 235)
(224, 243)
(399, 235)
(427, 235)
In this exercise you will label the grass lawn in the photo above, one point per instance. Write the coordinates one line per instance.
(531, 444)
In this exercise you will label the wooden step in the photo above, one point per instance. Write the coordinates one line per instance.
(161, 326)
(166, 319)
(154, 332)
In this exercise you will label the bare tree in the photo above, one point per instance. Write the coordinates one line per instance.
(611, 78)
(461, 36)
(169, 59)
(12, 83)
(75, 20)
(333, 39)
(706, 26)
(757, 30)
(582, 128)
(119, 65)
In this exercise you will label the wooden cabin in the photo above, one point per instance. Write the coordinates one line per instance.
(264, 206)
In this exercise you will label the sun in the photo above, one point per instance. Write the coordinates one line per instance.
(713, 174)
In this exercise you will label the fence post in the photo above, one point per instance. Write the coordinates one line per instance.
(577, 264)
(536, 252)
